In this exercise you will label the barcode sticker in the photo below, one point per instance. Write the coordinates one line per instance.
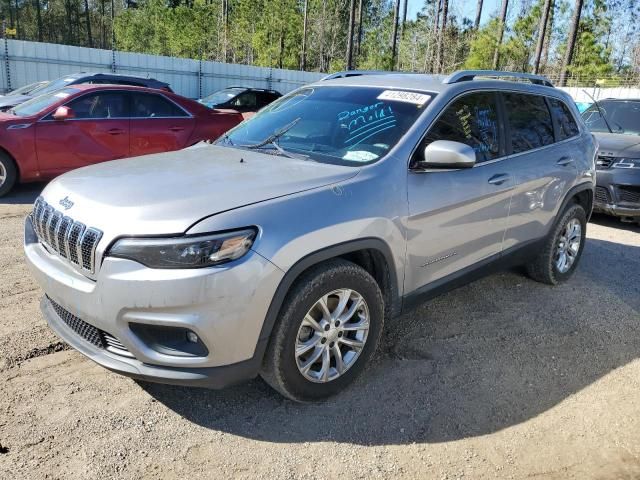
(404, 96)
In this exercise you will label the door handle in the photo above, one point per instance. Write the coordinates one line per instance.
(116, 131)
(176, 129)
(564, 161)
(499, 179)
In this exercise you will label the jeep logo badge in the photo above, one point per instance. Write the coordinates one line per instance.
(66, 203)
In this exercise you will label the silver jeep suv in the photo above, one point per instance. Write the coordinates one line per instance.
(281, 249)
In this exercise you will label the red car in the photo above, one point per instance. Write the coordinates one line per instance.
(84, 124)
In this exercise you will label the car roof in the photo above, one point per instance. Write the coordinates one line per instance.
(110, 86)
(440, 83)
(79, 75)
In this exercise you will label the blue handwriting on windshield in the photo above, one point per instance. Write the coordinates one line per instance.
(365, 122)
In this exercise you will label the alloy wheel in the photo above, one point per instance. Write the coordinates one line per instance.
(332, 335)
(3, 174)
(568, 245)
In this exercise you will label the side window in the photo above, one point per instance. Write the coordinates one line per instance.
(529, 121)
(566, 123)
(148, 105)
(246, 99)
(100, 105)
(473, 120)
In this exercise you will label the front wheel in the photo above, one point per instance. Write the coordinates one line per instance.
(562, 249)
(329, 327)
(8, 174)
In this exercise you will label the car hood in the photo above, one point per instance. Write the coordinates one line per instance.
(167, 193)
(618, 145)
(13, 100)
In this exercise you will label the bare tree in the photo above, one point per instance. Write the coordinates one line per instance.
(394, 34)
(352, 19)
(87, 16)
(303, 56)
(571, 42)
(542, 30)
(404, 19)
(442, 34)
(503, 21)
(360, 7)
(476, 24)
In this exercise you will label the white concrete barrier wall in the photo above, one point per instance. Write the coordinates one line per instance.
(32, 61)
(580, 94)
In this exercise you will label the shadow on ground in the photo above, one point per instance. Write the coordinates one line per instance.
(25, 193)
(480, 359)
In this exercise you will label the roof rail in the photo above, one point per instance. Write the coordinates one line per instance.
(466, 75)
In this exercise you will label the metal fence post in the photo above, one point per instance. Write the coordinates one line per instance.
(6, 55)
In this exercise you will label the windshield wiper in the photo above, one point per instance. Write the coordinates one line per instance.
(271, 139)
(604, 117)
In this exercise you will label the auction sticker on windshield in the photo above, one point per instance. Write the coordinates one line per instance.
(404, 96)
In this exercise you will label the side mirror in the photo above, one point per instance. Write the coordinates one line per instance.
(63, 113)
(448, 154)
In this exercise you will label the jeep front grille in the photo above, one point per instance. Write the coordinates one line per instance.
(629, 194)
(602, 195)
(72, 240)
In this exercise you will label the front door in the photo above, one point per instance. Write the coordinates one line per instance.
(158, 124)
(457, 218)
(99, 131)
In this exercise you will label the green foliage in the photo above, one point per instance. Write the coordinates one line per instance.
(482, 46)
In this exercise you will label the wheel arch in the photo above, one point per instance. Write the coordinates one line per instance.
(372, 254)
(581, 194)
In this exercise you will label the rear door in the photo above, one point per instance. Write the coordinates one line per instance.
(158, 124)
(457, 218)
(545, 168)
(98, 132)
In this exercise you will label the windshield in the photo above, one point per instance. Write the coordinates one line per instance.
(221, 96)
(623, 117)
(24, 90)
(41, 102)
(333, 124)
(53, 85)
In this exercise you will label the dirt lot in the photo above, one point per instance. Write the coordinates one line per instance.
(504, 378)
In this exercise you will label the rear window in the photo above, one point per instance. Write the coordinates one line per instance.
(567, 126)
(529, 121)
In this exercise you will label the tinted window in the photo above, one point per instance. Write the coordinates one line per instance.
(148, 105)
(246, 99)
(473, 120)
(567, 126)
(42, 102)
(529, 121)
(100, 105)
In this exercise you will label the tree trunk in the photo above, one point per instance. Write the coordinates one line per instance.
(352, 20)
(503, 21)
(443, 32)
(360, 7)
(571, 42)
(394, 34)
(547, 38)
(436, 26)
(542, 31)
(322, 37)
(404, 19)
(476, 24)
(87, 14)
(303, 57)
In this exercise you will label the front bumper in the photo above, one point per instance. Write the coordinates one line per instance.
(224, 306)
(615, 193)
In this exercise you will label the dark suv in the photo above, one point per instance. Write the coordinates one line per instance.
(241, 99)
(616, 126)
(11, 101)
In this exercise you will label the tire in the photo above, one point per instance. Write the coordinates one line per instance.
(8, 174)
(545, 266)
(336, 279)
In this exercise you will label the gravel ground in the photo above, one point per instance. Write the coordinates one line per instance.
(504, 378)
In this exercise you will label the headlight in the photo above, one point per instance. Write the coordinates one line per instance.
(185, 252)
(626, 163)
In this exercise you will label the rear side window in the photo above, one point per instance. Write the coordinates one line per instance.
(148, 105)
(529, 121)
(567, 126)
(100, 105)
(473, 120)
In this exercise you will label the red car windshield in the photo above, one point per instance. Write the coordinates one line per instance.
(42, 102)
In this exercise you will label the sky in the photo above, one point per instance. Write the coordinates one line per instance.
(466, 7)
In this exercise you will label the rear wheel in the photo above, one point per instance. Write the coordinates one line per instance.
(8, 174)
(329, 327)
(562, 249)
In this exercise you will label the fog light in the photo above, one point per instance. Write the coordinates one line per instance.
(192, 337)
